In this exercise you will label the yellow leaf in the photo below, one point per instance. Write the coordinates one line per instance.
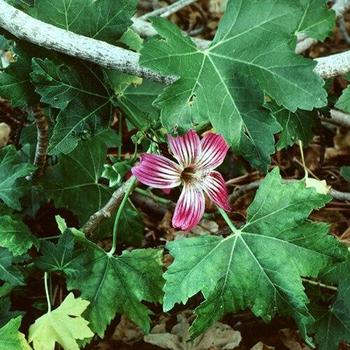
(63, 325)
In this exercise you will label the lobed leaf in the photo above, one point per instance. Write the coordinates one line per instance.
(260, 266)
(119, 284)
(253, 40)
(64, 326)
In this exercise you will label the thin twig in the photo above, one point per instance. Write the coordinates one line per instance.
(46, 35)
(168, 10)
(42, 140)
(107, 211)
(239, 191)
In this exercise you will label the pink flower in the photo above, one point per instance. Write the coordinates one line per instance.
(194, 170)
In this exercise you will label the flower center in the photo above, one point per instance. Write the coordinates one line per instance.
(188, 175)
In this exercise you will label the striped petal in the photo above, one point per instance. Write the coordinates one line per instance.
(214, 185)
(186, 148)
(189, 208)
(157, 171)
(214, 150)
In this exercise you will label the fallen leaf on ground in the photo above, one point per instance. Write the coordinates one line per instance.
(218, 337)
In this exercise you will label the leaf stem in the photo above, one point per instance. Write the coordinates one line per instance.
(47, 292)
(119, 213)
(233, 228)
(149, 194)
(120, 130)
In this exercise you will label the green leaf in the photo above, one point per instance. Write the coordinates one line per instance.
(135, 97)
(15, 235)
(119, 284)
(74, 182)
(59, 257)
(132, 40)
(64, 326)
(131, 226)
(5, 314)
(101, 19)
(11, 338)
(318, 21)
(78, 121)
(211, 86)
(84, 100)
(12, 170)
(343, 102)
(8, 272)
(332, 324)
(296, 126)
(260, 266)
(345, 172)
(15, 83)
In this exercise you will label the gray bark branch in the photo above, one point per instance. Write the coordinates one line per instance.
(50, 37)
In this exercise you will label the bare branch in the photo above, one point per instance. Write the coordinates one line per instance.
(108, 210)
(37, 32)
(168, 10)
(304, 44)
(333, 65)
(46, 35)
(338, 118)
(239, 191)
(42, 140)
(340, 196)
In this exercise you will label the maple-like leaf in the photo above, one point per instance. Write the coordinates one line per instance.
(332, 324)
(5, 313)
(9, 272)
(296, 125)
(15, 235)
(318, 20)
(59, 257)
(64, 326)
(15, 80)
(118, 284)
(74, 182)
(78, 91)
(11, 338)
(260, 266)
(12, 170)
(252, 51)
(99, 19)
(343, 102)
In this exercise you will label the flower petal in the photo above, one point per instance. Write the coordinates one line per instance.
(214, 185)
(157, 171)
(189, 208)
(214, 149)
(186, 148)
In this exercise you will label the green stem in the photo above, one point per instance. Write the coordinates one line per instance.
(47, 292)
(156, 198)
(233, 228)
(121, 137)
(119, 213)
